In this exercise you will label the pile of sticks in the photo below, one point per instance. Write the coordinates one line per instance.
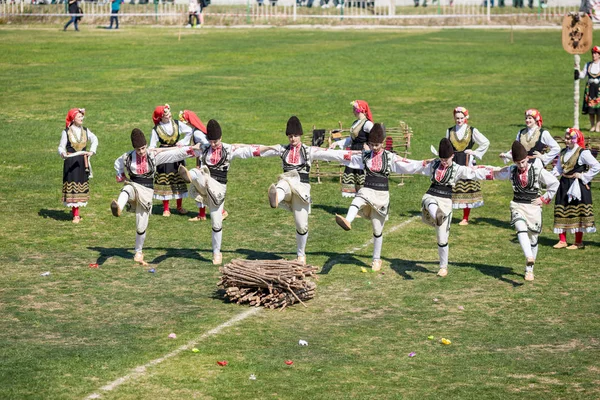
(267, 283)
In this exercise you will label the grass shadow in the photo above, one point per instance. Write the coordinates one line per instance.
(57, 215)
(339, 258)
(252, 254)
(332, 210)
(106, 253)
(490, 221)
(109, 252)
(402, 267)
(494, 271)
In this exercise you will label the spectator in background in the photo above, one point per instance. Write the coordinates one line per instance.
(591, 95)
(194, 10)
(114, 10)
(73, 10)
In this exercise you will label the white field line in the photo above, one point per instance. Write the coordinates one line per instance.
(141, 370)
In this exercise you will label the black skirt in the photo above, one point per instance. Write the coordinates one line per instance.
(76, 189)
(576, 216)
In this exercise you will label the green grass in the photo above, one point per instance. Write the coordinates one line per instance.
(66, 335)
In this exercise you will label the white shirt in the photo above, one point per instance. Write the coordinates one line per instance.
(482, 142)
(184, 129)
(585, 158)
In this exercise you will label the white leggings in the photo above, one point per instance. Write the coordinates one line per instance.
(128, 195)
(442, 233)
(216, 212)
(377, 221)
(300, 210)
(527, 239)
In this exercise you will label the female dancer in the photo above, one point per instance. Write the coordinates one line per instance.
(591, 94)
(137, 168)
(167, 182)
(573, 209)
(527, 178)
(535, 139)
(466, 194)
(209, 182)
(76, 167)
(354, 178)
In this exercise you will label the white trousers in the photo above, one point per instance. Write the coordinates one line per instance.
(128, 195)
(300, 210)
(377, 221)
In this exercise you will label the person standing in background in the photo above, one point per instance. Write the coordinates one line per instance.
(114, 10)
(73, 10)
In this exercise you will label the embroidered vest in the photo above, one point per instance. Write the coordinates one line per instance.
(530, 191)
(146, 179)
(460, 145)
(358, 135)
(533, 144)
(218, 171)
(303, 169)
(74, 145)
(163, 138)
(571, 166)
(442, 187)
(376, 180)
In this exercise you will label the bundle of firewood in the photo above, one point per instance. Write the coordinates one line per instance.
(267, 283)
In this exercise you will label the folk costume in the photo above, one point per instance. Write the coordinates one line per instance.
(536, 140)
(373, 200)
(198, 136)
(591, 94)
(573, 209)
(466, 193)
(209, 181)
(436, 203)
(73, 148)
(167, 182)
(292, 190)
(354, 178)
(138, 171)
(525, 208)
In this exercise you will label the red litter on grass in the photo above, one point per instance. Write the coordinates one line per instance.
(93, 265)
(222, 363)
(289, 362)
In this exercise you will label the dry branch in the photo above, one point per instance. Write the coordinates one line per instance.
(267, 283)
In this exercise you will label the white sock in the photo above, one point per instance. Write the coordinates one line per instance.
(216, 241)
(443, 254)
(352, 212)
(301, 243)
(525, 244)
(139, 242)
(377, 243)
(122, 200)
(280, 195)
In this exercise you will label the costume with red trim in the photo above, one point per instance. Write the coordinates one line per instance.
(573, 208)
(167, 182)
(76, 167)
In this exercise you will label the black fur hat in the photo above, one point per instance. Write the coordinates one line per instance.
(518, 151)
(445, 149)
(294, 127)
(377, 134)
(213, 130)
(137, 138)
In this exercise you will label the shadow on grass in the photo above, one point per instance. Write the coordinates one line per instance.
(157, 209)
(331, 209)
(106, 253)
(494, 271)
(490, 221)
(58, 215)
(402, 267)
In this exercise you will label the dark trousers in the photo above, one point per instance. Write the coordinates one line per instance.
(73, 20)
(191, 16)
(114, 17)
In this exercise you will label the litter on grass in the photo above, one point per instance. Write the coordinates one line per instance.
(195, 350)
(302, 342)
(289, 362)
(172, 336)
(222, 363)
(47, 273)
(252, 377)
(412, 354)
(445, 341)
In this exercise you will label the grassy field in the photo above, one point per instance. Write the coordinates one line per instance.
(66, 335)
